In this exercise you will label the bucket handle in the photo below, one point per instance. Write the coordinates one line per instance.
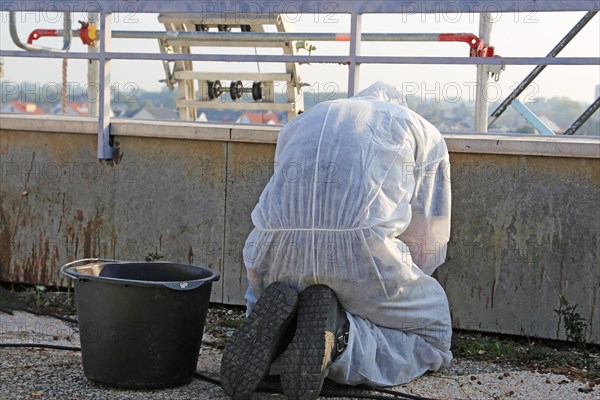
(186, 285)
(63, 269)
(189, 285)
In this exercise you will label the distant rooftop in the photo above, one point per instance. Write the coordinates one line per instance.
(258, 118)
(22, 107)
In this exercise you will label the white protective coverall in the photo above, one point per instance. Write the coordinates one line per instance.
(360, 201)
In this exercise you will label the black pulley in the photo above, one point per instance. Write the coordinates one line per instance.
(224, 28)
(246, 28)
(201, 27)
(236, 89)
(257, 91)
(214, 89)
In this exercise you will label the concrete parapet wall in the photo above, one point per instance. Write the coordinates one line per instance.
(524, 230)
(525, 214)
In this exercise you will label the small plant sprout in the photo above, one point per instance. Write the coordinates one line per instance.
(575, 325)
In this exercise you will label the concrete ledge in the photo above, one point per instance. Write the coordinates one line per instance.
(253, 133)
(142, 128)
(171, 129)
(48, 124)
(514, 144)
(533, 145)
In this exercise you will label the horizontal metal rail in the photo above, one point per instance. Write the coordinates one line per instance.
(253, 7)
(191, 38)
(234, 76)
(468, 38)
(314, 59)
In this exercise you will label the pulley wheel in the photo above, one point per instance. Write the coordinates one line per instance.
(214, 89)
(235, 90)
(257, 91)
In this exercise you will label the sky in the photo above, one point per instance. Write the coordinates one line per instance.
(514, 34)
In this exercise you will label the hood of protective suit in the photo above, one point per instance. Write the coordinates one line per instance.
(382, 91)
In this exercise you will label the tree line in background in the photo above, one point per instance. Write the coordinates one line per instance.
(445, 115)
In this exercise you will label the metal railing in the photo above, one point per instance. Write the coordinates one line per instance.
(240, 8)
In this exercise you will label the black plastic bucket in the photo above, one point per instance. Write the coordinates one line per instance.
(141, 323)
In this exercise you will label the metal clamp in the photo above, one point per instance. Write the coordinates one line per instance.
(88, 33)
(496, 69)
(342, 341)
(67, 35)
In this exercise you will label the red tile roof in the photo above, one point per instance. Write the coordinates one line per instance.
(26, 107)
(79, 108)
(261, 118)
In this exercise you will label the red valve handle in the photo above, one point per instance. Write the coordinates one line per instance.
(38, 33)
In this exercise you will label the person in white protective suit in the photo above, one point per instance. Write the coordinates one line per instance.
(347, 233)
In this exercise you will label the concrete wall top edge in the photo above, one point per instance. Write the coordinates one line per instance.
(538, 145)
(533, 145)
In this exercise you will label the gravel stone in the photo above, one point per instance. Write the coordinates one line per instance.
(28, 373)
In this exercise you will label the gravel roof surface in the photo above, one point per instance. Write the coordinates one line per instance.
(27, 373)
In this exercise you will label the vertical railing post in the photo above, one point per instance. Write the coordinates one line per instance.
(104, 147)
(481, 101)
(93, 74)
(355, 43)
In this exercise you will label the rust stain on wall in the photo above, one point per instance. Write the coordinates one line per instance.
(5, 244)
(37, 262)
(37, 259)
(91, 236)
(113, 243)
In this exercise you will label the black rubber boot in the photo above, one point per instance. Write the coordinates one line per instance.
(258, 341)
(321, 335)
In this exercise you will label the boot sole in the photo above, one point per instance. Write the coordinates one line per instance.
(251, 349)
(306, 361)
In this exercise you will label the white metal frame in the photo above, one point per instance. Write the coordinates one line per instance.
(181, 36)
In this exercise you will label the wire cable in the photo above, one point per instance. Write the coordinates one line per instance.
(394, 394)
(40, 346)
(52, 315)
